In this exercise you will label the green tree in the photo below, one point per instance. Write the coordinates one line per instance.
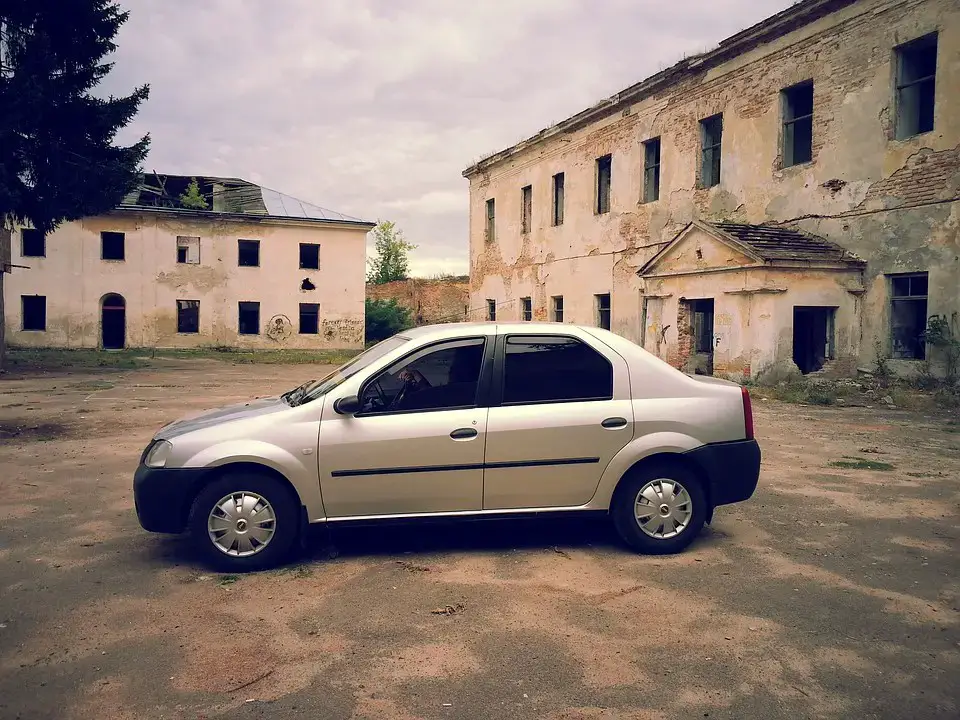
(191, 197)
(385, 318)
(391, 261)
(58, 160)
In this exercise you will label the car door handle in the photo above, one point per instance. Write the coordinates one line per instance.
(464, 433)
(614, 423)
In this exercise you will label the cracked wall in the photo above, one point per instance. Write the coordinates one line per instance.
(74, 279)
(892, 202)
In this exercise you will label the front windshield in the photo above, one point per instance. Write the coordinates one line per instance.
(318, 388)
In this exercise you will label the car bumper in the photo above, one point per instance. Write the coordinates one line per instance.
(162, 497)
(732, 469)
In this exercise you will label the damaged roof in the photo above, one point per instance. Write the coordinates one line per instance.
(227, 196)
(771, 242)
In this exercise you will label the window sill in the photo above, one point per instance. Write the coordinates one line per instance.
(113, 260)
(192, 332)
(912, 138)
(796, 167)
(36, 330)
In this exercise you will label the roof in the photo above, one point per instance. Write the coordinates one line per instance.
(798, 15)
(233, 197)
(766, 244)
(771, 242)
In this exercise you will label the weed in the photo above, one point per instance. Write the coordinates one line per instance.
(296, 571)
(855, 463)
(921, 475)
(228, 580)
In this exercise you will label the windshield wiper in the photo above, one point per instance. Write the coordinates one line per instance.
(295, 396)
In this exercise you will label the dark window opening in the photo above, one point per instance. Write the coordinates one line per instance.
(491, 229)
(309, 318)
(539, 369)
(526, 208)
(908, 316)
(248, 253)
(604, 173)
(248, 321)
(188, 316)
(798, 124)
(813, 337)
(526, 309)
(916, 86)
(33, 312)
(491, 309)
(188, 250)
(557, 301)
(711, 136)
(309, 256)
(111, 246)
(558, 181)
(33, 243)
(651, 170)
(440, 377)
(603, 310)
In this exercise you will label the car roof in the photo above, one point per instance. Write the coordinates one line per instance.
(459, 329)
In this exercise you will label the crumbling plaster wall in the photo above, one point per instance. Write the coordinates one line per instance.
(850, 56)
(428, 300)
(74, 279)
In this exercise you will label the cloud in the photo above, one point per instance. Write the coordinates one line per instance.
(374, 107)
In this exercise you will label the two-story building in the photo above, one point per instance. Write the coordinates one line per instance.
(788, 198)
(253, 268)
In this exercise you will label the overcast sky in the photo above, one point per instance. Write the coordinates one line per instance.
(375, 107)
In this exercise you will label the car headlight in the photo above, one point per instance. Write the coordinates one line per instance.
(158, 454)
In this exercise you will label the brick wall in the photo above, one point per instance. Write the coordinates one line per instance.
(429, 301)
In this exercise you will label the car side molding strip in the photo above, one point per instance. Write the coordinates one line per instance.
(454, 468)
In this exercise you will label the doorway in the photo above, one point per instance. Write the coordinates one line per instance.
(113, 322)
(699, 320)
(813, 337)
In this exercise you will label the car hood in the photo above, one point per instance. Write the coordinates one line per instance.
(225, 414)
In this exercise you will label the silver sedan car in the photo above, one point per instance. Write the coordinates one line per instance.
(469, 419)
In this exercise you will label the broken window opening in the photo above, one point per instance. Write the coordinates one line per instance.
(711, 136)
(309, 318)
(797, 104)
(112, 245)
(558, 182)
(557, 302)
(526, 208)
(908, 316)
(604, 174)
(491, 230)
(491, 309)
(188, 316)
(248, 318)
(33, 243)
(33, 315)
(188, 250)
(307, 285)
(814, 330)
(916, 86)
(248, 253)
(309, 256)
(651, 170)
(603, 310)
(526, 309)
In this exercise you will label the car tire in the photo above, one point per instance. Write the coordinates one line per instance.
(254, 514)
(671, 513)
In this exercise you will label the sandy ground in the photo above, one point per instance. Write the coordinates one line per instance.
(833, 593)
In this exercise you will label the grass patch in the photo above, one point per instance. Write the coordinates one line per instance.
(39, 359)
(227, 580)
(855, 463)
(295, 571)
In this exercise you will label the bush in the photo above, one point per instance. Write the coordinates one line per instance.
(385, 318)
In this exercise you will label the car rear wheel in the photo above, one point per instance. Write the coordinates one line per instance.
(244, 521)
(659, 509)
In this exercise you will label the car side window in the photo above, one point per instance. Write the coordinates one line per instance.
(548, 369)
(440, 377)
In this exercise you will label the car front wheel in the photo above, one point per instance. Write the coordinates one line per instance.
(659, 509)
(244, 521)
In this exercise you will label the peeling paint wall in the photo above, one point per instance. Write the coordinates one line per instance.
(74, 279)
(892, 202)
(429, 301)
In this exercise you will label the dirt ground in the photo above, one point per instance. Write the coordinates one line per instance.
(833, 593)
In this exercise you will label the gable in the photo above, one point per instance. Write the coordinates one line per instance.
(696, 249)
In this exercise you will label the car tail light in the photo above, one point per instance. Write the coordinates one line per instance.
(747, 413)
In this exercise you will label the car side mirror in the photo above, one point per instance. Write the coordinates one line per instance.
(347, 405)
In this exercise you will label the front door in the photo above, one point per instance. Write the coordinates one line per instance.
(113, 322)
(417, 443)
(565, 412)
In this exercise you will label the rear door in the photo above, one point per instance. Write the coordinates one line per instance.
(561, 410)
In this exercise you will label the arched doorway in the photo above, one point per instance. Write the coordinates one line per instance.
(113, 322)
